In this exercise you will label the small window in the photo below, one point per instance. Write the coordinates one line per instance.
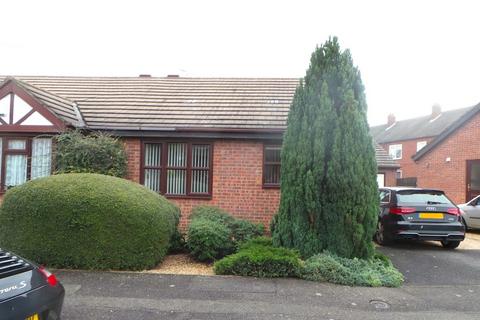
(384, 196)
(271, 166)
(399, 174)
(420, 145)
(395, 151)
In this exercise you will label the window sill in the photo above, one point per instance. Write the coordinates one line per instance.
(271, 186)
(199, 197)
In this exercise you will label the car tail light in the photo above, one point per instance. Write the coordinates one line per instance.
(51, 279)
(454, 211)
(402, 210)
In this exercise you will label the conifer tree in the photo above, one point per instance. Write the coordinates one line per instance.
(329, 197)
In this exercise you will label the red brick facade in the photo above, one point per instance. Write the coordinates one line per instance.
(409, 148)
(237, 181)
(390, 176)
(435, 171)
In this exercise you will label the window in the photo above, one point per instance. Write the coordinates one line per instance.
(398, 174)
(23, 159)
(271, 166)
(384, 196)
(421, 144)
(395, 151)
(381, 180)
(178, 168)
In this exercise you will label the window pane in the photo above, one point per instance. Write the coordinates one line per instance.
(176, 181)
(153, 153)
(16, 170)
(200, 181)
(272, 154)
(17, 144)
(177, 155)
(200, 156)
(152, 179)
(41, 157)
(272, 174)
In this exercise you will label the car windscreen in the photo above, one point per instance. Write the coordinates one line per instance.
(422, 197)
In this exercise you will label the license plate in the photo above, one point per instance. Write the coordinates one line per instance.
(430, 215)
(34, 317)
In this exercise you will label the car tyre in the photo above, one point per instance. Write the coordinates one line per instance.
(450, 244)
(380, 236)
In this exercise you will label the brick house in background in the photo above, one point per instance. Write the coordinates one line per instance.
(439, 151)
(197, 141)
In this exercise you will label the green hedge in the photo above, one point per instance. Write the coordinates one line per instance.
(213, 233)
(258, 258)
(209, 239)
(87, 221)
(374, 272)
(94, 153)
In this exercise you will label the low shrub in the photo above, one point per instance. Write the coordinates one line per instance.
(243, 230)
(375, 272)
(94, 153)
(177, 241)
(258, 258)
(209, 239)
(210, 242)
(87, 221)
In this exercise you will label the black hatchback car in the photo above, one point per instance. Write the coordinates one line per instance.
(418, 214)
(27, 291)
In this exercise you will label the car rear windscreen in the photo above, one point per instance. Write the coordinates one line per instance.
(422, 196)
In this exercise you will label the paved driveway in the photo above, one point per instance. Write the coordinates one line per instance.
(440, 285)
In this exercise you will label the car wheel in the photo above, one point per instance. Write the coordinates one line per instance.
(380, 236)
(450, 244)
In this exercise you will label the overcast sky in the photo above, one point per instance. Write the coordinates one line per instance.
(412, 54)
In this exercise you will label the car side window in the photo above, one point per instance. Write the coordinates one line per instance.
(384, 196)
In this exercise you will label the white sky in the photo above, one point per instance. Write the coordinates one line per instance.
(412, 54)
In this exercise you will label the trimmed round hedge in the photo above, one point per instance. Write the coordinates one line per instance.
(87, 221)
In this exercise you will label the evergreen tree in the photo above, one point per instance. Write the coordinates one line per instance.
(329, 197)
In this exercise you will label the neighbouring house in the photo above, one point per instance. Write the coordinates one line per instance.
(197, 141)
(441, 150)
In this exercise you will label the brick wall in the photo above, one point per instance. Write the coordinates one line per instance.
(390, 176)
(435, 172)
(237, 181)
(409, 148)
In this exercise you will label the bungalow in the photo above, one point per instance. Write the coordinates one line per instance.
(196, 140)
(441, 150)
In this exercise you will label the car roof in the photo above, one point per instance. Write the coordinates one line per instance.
(410, 188)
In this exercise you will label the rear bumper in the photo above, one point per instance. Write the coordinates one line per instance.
(454, 231)
(46, 301)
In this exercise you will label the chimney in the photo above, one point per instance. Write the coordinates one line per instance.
(391, 119)
(145, 76)
(436, 111)
(173, 76)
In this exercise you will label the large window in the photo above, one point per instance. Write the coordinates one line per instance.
(23, 159)
(178, 168)
(271, 165)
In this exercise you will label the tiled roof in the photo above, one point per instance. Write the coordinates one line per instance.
(145, 103)
(167, 103)
(415, 128)
(384, 160)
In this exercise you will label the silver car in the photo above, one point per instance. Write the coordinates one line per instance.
(471, 213)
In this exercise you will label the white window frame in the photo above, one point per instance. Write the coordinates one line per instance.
(421, 145)
(393, 151)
